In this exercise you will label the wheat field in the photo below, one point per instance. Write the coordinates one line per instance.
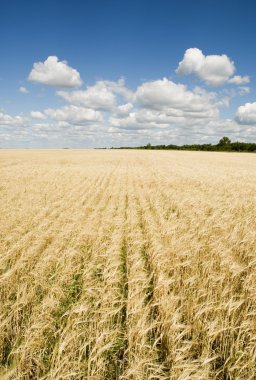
(125, 264)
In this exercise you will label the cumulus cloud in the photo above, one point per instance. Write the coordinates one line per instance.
(37, 115)
(23, 90)
(163, 104)
(129, 122)
(119, 88)
(165, 94)
(109, 114)
(155, 105)
(101, 96)
(134, 122)
(123, 110)
(74, 115)
(53, 72)
(151, 119)
(237, 79)
(8, 120)
(96, 97)
(246, 114)
(215, 70)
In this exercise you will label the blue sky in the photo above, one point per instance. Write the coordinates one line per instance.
(113, 73)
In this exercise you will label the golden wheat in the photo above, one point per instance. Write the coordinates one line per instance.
(121, 264)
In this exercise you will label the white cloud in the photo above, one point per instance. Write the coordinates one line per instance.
(158, 104)
(165, 110)
(164, 94)
(23, 90)
(129, 122)
(123, 110)
(165, 104)
(192, 62)
(7, 120)
(37, 115)
(174, 116)
(237, 79)
(101, 96)
(215, 70)
(53, 72)
(107, 113)
(74, 115)
(119, 88)
(159, 128)
(96, 97)
(246, 114)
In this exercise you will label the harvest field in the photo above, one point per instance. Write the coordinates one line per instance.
(125, 264)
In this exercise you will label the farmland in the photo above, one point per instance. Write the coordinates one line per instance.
(127, 265)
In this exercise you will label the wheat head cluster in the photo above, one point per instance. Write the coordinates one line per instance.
(127, 264)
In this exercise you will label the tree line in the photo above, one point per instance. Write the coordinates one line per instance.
(224, 145)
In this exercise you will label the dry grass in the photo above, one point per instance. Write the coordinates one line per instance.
(127, 265)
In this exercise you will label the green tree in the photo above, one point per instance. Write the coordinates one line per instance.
(224, 141)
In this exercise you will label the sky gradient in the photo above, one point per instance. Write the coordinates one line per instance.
(86, 74)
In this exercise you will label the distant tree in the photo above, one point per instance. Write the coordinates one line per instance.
(224, 145)
(224, 141)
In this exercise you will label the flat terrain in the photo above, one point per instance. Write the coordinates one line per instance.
(127, 265)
